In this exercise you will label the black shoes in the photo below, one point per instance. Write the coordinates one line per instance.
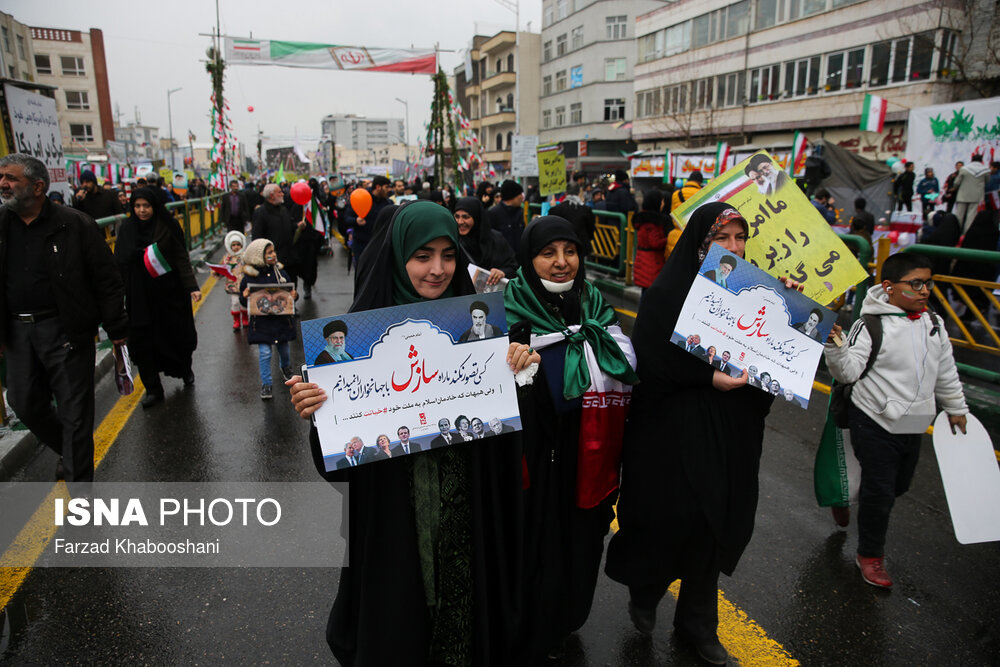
(265, 392)
(189, 379)
(286, 372)
(644, 620)
(308, 292)
(151, 399)
(709, 650)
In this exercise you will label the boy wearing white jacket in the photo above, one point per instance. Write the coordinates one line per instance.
(894, 402)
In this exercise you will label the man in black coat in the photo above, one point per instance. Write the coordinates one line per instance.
(234, 210)
(507, 217)
(273, 222)
(94, 201)
(59, 281)
(365, 227)
(726, 367)
(447, 436)
(405, 446)
(620, 199)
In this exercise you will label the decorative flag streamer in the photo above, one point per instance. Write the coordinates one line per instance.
(721, 158)
(873, 114)
(156, 263)
(797, 164)
(668, 168)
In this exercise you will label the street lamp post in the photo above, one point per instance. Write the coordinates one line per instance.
(170, 128)
(406, 130)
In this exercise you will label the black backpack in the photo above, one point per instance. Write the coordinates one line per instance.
(840, 394)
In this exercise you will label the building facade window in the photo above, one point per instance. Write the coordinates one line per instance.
(499, 141)
(721, 24)
(43, 64)
(499, 65)
(614, 108)
(547, 119)
(510, 139)
(562, 9)
(576, 38)
(845, 70)
(614, 69)
(20, 48)
(576, 113)
(765, 83)
(732, 89)
(616, 27)
(6, 39)
(561, 45)
(77, 99)
(72, 66)
(675, 99)
(647, 103)
(548, 14)
(560, 116)
(510, 102)
(802, 77)
(560, 80)
(904, 59)
(701, 97)
(547, 84)
(510, 62)
(949, 42)
(547, 51)
(81, 132)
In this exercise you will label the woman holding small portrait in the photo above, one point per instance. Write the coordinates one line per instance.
(481, 244)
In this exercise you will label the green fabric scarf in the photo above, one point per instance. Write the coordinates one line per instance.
(416, 225)
(596, 316)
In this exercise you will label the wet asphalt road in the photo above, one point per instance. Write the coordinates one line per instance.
(797, 579)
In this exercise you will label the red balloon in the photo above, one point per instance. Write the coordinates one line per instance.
(361, 202)
(301, 193)
(250, 109)
(894, 237)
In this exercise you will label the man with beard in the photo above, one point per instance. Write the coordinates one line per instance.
(272, 221)
(335, 334)
(479, 330)
(234, 210)
(59, 281)
(762, 172)
(94, 201)
(507, 217)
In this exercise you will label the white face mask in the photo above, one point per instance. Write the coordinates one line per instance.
(556, 288)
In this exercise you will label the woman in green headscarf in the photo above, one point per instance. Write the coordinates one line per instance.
(432, 536)
(572, 415)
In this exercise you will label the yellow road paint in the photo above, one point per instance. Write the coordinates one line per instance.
(630, 313)
(32, 540)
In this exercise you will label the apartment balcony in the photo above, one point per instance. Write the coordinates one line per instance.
(497, 79)
(498, 41)
(504, 116)
(496, 156)
(472, 91)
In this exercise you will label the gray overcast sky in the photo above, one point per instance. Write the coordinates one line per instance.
(154, 46)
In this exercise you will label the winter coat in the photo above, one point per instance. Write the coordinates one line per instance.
(275, 223)
(509, 221)
(971, 183)
(689, 190)
(265, 329)
(651, 239)
(620, 200)
(895, 387)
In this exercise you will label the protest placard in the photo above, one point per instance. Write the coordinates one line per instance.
(266, 300)
(523, 157)
(479, 277)
(551, 170)
(736, 317)
(429, 374)
(787, 236)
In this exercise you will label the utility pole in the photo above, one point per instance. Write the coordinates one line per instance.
(170, 128)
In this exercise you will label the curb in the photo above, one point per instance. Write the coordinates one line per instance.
(18, 447)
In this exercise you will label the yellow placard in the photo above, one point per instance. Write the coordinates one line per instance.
(788, 236)
(167, 174)
(551, 170)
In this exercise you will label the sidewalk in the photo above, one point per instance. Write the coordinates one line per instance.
(17, 443)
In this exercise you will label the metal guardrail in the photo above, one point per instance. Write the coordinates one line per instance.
(612, 257)
(199, 218)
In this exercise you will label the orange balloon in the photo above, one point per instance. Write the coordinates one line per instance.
(361, 202)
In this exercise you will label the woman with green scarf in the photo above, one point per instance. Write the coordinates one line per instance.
(432, 536)
(573, 401)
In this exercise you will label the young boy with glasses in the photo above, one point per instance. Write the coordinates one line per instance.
(893, 402)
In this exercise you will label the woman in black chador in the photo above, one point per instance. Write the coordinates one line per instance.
(162, 337)
(691, 455)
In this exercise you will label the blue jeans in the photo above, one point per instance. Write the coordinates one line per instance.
(284, 357)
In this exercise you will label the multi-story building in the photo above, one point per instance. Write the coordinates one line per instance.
(362, 133)
(16, 57)
(74, 62)
(588, 52)
(755, 71)
(142, 142)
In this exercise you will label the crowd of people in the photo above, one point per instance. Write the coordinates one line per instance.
(495, 550)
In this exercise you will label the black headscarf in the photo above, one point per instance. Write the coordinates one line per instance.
(478, 244)
(377, 267)
(132, 238)
(662, 303)
(539, 233)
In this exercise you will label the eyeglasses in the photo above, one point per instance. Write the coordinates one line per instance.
(916, 284)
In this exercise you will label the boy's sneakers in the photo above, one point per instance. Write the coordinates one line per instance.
(873, 572)
(286, 372)
(265, 392)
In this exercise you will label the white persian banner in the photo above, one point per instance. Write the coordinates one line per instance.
(328, 56)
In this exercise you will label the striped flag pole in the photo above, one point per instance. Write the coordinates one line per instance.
(721, 158)
(155, 262)
(798, 161)
(873, 114)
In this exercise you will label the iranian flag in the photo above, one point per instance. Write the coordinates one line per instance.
(314, 217)
(668, 168)
(721, 158)
(156, 263)
(873, 114)
(222, 271)
(797, 164)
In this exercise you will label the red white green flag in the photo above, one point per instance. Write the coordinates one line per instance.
(156, 263)
(797, 163)
(873, 114)
(314, 217)
(668, 168)
(721, 158)
(329, 56)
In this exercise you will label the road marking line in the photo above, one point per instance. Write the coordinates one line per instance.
(36, 534)
(630, 313)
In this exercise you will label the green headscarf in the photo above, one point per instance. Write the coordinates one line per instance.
(415, 226)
